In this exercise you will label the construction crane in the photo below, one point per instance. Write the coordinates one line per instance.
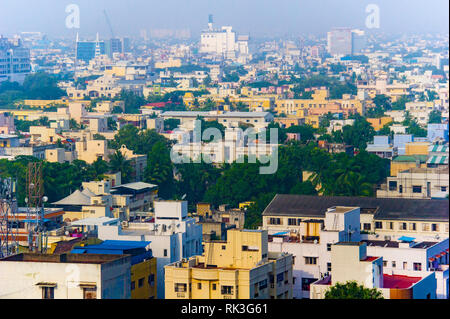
(109, 24)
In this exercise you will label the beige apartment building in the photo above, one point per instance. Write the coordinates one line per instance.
(239, 268)
(417, 182)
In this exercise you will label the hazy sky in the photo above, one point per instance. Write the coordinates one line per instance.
(254, 17)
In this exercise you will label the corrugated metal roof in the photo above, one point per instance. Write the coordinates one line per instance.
(386, 208)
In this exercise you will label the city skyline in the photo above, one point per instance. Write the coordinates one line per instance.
(298, 17)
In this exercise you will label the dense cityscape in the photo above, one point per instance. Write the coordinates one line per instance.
(174, 165)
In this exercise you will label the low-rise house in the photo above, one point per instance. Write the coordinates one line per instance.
(65, 276)
(351, 262)
(143, 264)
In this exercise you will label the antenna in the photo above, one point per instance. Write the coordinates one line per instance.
(37, 237)
(8, 220)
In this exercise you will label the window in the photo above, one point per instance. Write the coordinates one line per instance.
(165, 252)
(292, 221)
(310, 260)
(403, 226)
(141, 282)
(417, 266)
(425, 227)
(400, 189)
(443, 188)
(275, 221)
(378, 225)
(328, 247)
(180, 287)
(214, 286)
(244, 248)
(405, 265)
(263, 284)
(306, 282)
(48, 292)
(392, 185)
(151, 280)
(199, 286)
(90, 293)
(435, 227)
(417, 189)
(391, 225)
(384, 263)
(328, 267)
(280, 277)
(412, 226)
(393, 264)
(227, 290)
(224, 247)
(367, 226)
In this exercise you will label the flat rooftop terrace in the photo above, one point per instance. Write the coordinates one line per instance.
(65, 258)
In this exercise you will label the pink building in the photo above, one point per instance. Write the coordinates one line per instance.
(7, 123)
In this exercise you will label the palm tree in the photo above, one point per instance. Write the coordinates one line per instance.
(119, 163)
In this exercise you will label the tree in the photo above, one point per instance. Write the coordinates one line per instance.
(352, 290)
(435, 117)
(159, 169)
(358, 134)
(112, 124)
(118, 163)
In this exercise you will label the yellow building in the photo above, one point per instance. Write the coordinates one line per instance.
(203, 209)
(417, 148)
(404, 162)
(143, 279)
(44, 104)
(239, 268)
(319, 104)
(378, 123)
(313, 120)
(245, 204)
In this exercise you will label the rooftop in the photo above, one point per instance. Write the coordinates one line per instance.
(399, 281)
(386, 208)
(64, 258)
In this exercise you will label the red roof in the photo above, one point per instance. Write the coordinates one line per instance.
(156, 104)
(370, 258)
(398, 281)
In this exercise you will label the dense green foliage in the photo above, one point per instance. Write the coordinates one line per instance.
(352, 290)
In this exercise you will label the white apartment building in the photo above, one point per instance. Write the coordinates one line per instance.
(310, 242)
(173, 235)
(223, 42)
(14, 60)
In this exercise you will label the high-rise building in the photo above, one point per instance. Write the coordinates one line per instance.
(340, 41)
(87, 50)
(358, 41)
(222, 42)
(14, 60)
(114, 45)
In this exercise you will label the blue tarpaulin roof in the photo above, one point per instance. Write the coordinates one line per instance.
(405, 238)
(281, 233)
(117, 247)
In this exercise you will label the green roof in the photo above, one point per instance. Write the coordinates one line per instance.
(411, 158)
